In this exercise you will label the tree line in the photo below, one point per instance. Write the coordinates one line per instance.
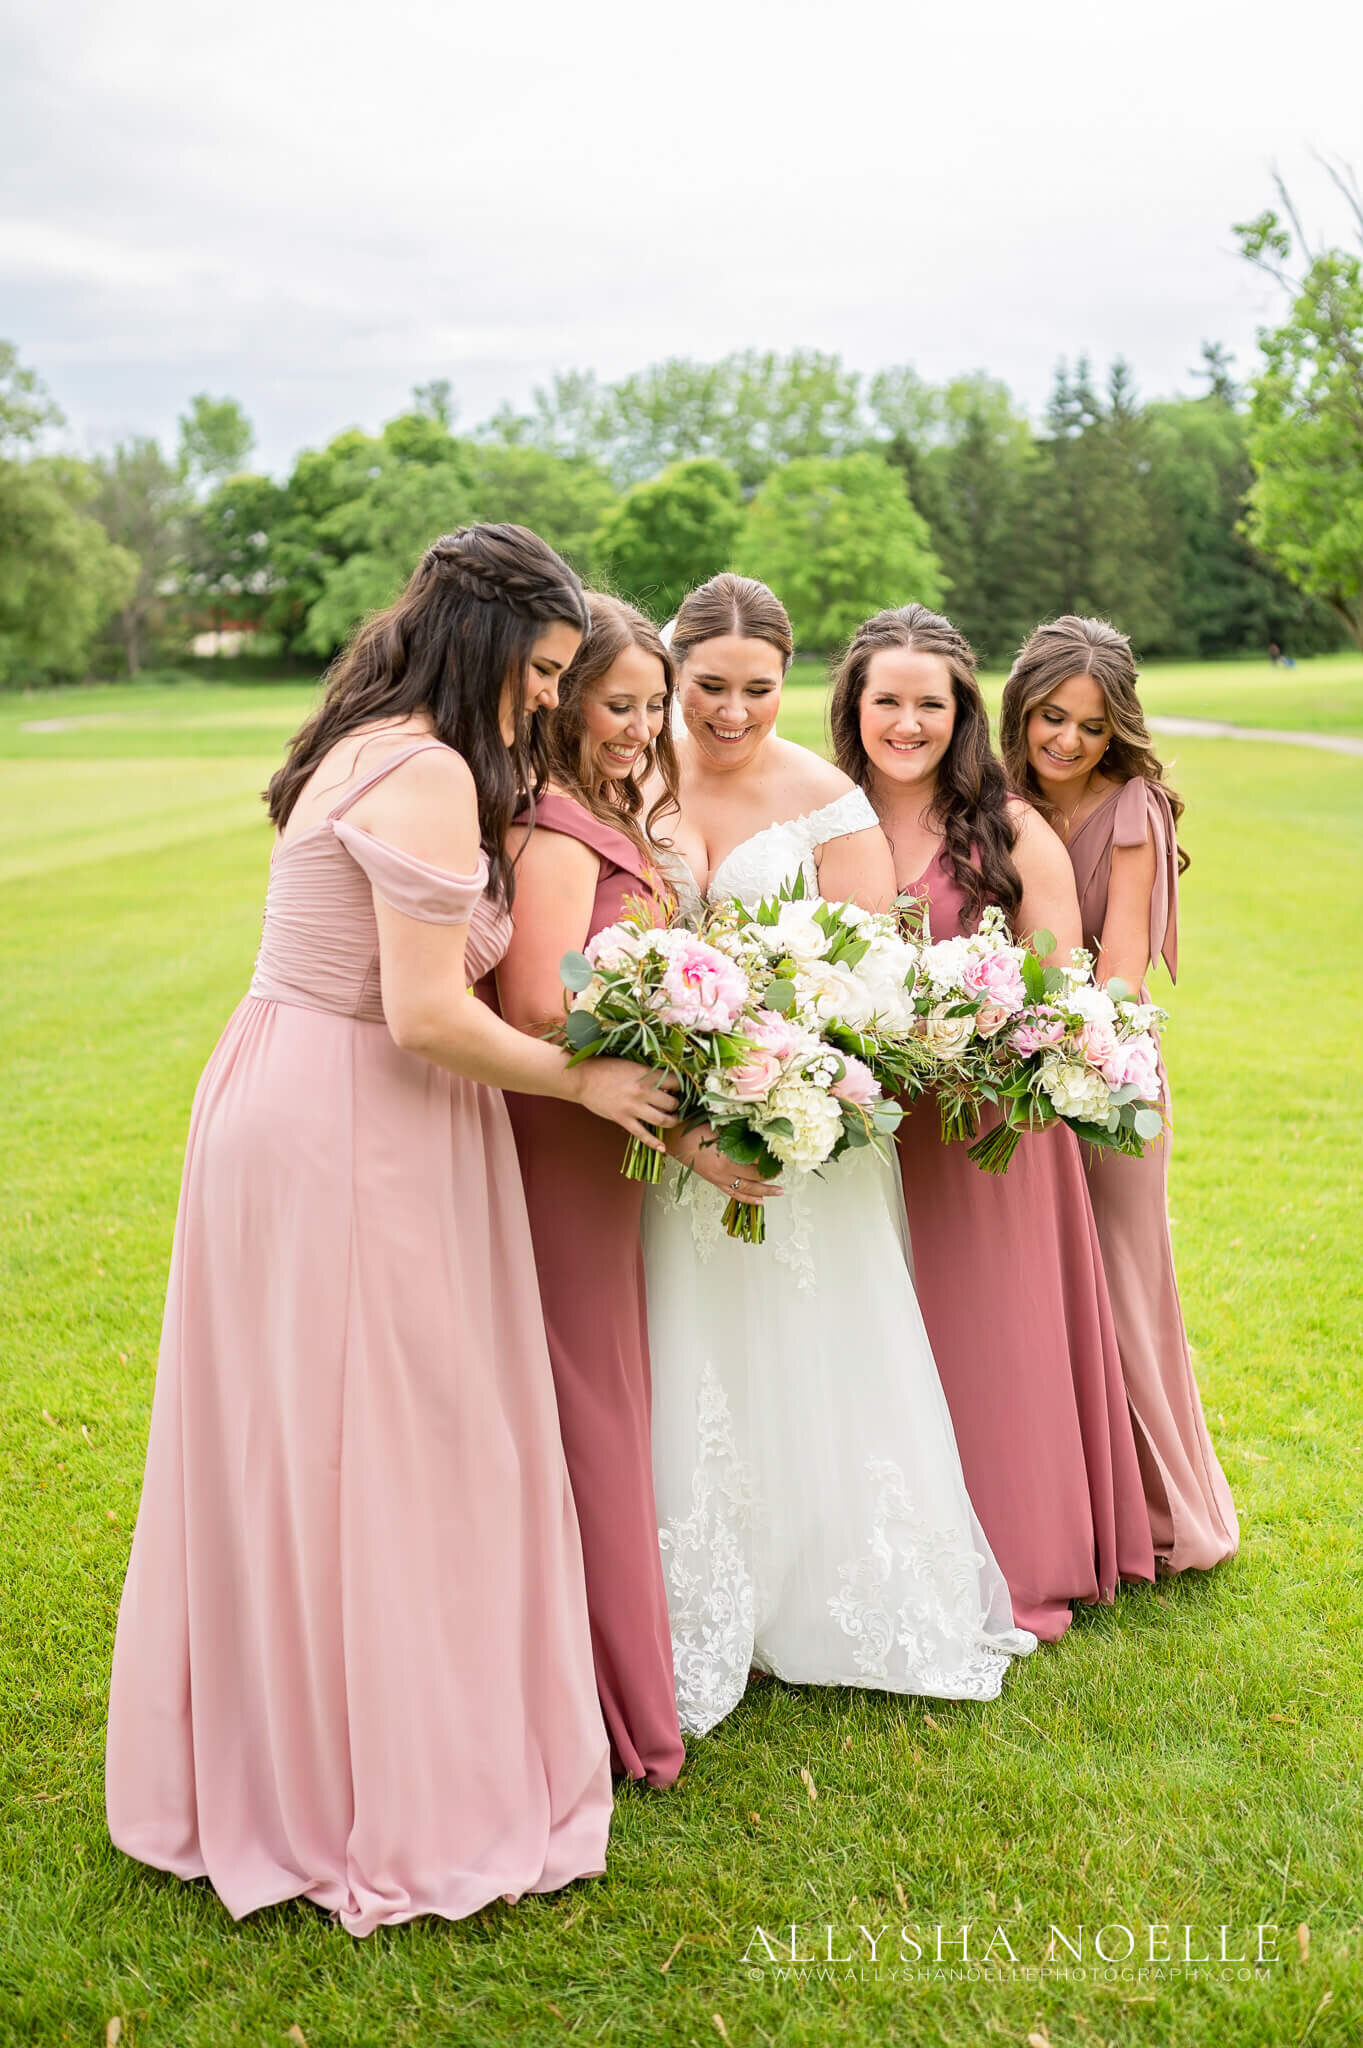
(1206, 526)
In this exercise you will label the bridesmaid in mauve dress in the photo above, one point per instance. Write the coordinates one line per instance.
(1073, 728)
(585, 859)
(1007, 1267)
(353, 1662)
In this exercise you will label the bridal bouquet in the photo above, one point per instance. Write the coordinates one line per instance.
(993, 1025)
(743, 1013)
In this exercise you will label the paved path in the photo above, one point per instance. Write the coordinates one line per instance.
(1216, 729)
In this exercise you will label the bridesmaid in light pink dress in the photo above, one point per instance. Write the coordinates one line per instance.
(353, 1662)
(1075, 736)
(1007, 1268)
(586, 858)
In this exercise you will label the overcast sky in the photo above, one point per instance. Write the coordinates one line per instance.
(314, 207)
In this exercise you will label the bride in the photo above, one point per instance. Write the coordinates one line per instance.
(814, 1522)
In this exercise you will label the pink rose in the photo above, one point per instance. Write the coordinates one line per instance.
(989, 1018)
(753, 1079)
(1098, 1047)
(1042, 1028)
(770, 1029)
(701, 988)
(858, 1084)
(1140, 1067)
(998, 977)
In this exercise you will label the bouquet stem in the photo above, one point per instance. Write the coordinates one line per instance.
(996, 1148)
(643, 1163)
(746, 1221)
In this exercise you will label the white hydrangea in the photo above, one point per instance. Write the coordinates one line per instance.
(945, 962)
(815, 1120)
(1076, 1090)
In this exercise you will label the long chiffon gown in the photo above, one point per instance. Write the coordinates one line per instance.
(584, 1219)
(353, 1661)
(1010, 1282)
(1192, 1515)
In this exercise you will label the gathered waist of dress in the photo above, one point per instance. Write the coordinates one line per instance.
(364, 1005)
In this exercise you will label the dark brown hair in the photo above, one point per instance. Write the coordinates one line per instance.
(1054, 654)
(462, 630)
(971, 802)
(732, 604)
(616, 801)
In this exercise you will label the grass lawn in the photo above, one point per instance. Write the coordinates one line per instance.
(1192, 1757)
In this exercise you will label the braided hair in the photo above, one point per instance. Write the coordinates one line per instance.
(459, 635)
(971, 802)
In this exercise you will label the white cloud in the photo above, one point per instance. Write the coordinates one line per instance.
(313, 207)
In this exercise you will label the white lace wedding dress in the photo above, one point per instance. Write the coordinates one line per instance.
(814, 1520)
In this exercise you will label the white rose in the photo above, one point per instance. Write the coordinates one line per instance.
(833, 995)
(815, 1120)
(1094, 1005)
(1076, 1090)
(945, 1035)
(883, 972)
(801, 937)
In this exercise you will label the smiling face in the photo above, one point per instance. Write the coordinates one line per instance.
(1067, 735)
(553, 650)
(730, 693)
(907, 715)
(622, 714)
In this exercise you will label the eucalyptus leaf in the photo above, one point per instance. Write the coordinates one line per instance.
(1119, 990)
(581, 1029)
(575, 970)
(780, 995)
(1043, 942)
(1148, 1122)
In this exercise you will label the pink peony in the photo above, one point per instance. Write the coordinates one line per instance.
(998, 977)
(770, 1029)
(701, 988)
(753, 1079)
(1140, 1066)
(989, 1018)
(611, 948)
(1044, 1028)
(858, 1084)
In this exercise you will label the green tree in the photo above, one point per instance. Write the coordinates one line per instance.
(561, 498)
(227, 567)
(671, 533)
(216, 440)
(968, 459)
(60, 576)
(838, 539)
(140, 501)
(1305, 507)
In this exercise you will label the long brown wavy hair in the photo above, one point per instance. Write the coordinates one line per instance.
(617, 802)
(1055, 653)
(462, 630)
(971, 801)
(732, 604)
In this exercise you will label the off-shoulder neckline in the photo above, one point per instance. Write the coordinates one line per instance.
(338, 827)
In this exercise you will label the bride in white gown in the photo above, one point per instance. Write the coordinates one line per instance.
(814, 1521)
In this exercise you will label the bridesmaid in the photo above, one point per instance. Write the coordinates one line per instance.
(1075, 740)
(353, 1662)
(588, 855)
(1034, 1384)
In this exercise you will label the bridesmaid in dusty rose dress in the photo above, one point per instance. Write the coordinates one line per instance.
(353, 1662)
(1007, 1267)
(587, 856)
(1075, 738)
